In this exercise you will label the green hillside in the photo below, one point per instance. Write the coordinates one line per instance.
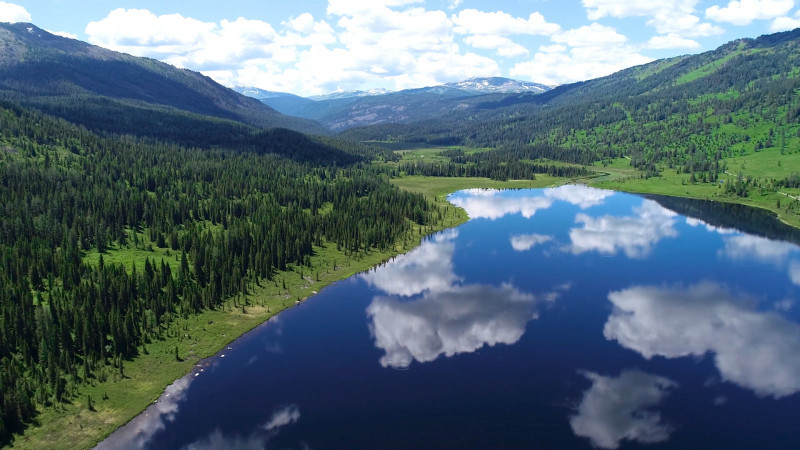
(81, 82)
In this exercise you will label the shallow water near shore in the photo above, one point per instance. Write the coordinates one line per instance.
(567, 317)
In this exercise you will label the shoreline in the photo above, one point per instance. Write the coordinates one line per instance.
(130, 390)
(142, 381)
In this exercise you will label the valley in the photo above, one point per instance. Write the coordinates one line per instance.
(151, 215)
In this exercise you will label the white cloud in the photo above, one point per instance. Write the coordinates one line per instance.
(667, 16)
(594, 51)
(486, 204)
(353, 7)
(525, 242)
(785, 23)
(670, 41)
(13, 13)
(453, 4)
(745, 11)
(617, 409)
(758, 350)
(63, 34)
(504, 46)
(594, 35)
(578, 194)
(634, 235)
(472, 21)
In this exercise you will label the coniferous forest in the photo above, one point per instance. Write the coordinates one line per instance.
(232, 216)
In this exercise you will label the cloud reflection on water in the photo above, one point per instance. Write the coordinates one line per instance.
(525, 242)
(449, 318)
(257, 439)
(138, 433)
(579, 195)
(461, 320)
(757, 350)
(487, 204)
(633, 235)
(617, 408)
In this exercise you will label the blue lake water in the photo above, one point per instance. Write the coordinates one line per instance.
(555, 318)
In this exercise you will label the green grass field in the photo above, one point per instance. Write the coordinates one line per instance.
(762, 165)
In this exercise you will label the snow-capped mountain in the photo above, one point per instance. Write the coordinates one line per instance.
(341, 110)
(349, 94)
(498, 85)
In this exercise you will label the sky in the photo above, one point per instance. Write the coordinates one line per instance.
(313, 47)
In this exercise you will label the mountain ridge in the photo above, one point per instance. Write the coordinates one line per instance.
(342, 110)
(37, 67)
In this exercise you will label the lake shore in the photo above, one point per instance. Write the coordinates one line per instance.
(128, 390)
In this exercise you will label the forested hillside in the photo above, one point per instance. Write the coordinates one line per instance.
(110, 91)
(231, 219)
(342, 111)
(687, 113)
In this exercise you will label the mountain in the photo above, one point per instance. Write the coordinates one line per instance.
(686, 113)
(97, 87)
(350, 94)
(342, 110)
(498, 85)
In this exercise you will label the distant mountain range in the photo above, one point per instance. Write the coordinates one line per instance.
(342, 110)
(95, 86)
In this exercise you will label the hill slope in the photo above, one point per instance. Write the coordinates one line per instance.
(76, 80)
(345, 110)
(676, 111)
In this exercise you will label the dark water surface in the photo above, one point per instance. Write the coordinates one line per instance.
(557, 318)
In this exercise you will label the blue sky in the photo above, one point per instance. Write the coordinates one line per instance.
(313, 47)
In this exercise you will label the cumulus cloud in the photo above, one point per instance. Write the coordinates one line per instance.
(503, 45)
(743, 12)
(757, 350)
(667, 17)
(633, 235)
(367, 42)
(13, 13)
(619, 408)
(785, 23)
(525, 242)
(472, 21)
(429, 267)
(670, 41)
(578, 194)
(487, 204)
(583, 53)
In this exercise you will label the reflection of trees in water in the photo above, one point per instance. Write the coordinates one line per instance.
(747, 219)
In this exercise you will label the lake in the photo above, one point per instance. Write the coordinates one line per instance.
(568, 317)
